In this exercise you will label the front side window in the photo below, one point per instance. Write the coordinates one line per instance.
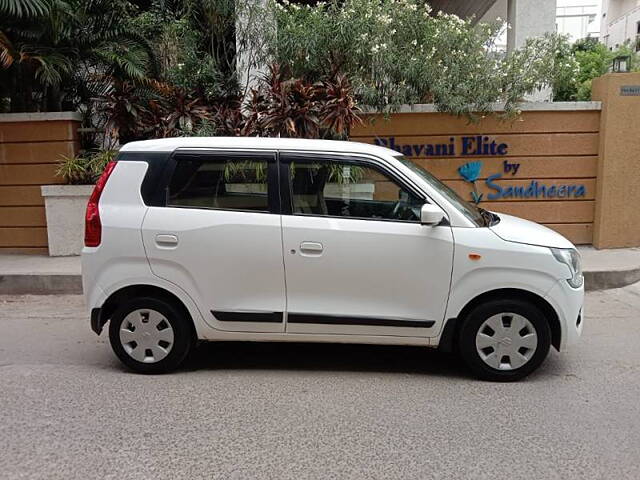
(219, 182)
(351, 190)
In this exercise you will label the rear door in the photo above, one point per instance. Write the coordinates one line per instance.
(357, 259)
(219, 237)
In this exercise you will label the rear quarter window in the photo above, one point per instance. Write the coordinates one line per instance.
(153, 184)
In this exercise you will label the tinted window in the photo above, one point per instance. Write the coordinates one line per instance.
(219, 182)
(344, 189)
(470, 211)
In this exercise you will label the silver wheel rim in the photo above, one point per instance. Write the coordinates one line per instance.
(506, 341)
(146, 335)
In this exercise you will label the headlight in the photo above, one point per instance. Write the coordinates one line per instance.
(571, 258)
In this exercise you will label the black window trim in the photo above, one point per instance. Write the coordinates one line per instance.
(273, 180)
(152, 186)
(285, 158)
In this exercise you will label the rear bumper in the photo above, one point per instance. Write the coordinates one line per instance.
(94, 298)
(568, 303)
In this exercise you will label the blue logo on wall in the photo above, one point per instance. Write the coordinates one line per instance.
(470, 172)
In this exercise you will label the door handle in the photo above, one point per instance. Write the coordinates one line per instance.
(166, 240)
(311, 248)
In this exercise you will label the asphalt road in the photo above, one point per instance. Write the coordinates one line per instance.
(69, 410)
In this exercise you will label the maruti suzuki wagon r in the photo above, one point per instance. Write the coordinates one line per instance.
(268, 239)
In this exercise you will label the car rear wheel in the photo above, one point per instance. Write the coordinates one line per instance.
(150, 335)
(504, 340)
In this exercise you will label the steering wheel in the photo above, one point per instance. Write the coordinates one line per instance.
(397, 208)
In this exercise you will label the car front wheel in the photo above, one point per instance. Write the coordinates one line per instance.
(504, 340)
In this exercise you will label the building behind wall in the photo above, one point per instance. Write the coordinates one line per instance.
(620, 23)
(578, 18)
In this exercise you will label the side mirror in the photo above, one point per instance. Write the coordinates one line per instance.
(431, 214)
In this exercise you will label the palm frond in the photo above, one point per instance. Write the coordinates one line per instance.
(51, 67)
(126, 56)
(153, 66)
(7, 51)
(24, 8)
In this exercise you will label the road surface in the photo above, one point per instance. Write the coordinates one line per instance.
(243, 411)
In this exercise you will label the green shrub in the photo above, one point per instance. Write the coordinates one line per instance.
(84, 169)
(594, 60)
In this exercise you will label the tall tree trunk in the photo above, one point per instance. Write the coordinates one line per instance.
(22, 89)
(54, 98)
(5, 90)
(16, 94)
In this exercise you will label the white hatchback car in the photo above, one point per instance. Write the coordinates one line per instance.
(265, 239)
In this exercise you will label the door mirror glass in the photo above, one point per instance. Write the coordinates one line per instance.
(431, 214)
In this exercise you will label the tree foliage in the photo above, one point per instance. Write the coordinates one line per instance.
(23, 8)
(163, 67)
(593, 60)
(50, 58)
(398, 51)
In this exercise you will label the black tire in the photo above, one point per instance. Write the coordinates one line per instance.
(475, 319)
(182, 335)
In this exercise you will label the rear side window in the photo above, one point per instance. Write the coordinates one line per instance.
(219, 182)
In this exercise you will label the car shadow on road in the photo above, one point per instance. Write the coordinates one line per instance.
(323, 357)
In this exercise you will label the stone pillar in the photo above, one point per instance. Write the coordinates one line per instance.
(530, 18)
(617, 215)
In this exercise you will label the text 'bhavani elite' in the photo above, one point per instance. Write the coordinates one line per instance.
(475, 145)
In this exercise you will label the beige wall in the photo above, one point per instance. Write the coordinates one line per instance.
(30, 147)
(617, 214)
(552, 147)
(553, 144)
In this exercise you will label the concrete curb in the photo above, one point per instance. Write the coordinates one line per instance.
(606, 280)
(24, 284)
(51, 284)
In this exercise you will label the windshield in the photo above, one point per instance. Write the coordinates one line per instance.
(470, 211)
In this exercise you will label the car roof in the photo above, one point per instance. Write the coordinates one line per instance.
(171, 144)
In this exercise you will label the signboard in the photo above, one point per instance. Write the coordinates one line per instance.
(630, 90)
(471, 172)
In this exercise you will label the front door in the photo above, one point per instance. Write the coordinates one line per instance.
(219, 238)
(357, 259)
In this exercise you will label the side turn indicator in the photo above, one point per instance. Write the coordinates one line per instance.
(474, 256)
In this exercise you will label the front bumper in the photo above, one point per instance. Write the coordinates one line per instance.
(568, 303)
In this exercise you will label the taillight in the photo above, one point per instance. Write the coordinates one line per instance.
(92, 224)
